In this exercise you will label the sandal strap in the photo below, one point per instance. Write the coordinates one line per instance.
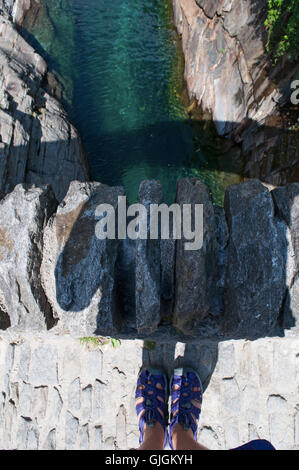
(181, 402)
(151, 401)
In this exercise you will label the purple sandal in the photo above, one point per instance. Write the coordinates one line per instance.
(146, 388)
(185, 379)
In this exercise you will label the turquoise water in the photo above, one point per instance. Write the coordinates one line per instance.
(121, 67)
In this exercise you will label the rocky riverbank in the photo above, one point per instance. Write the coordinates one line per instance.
(58, 282)
(38, 144)
(57, 274)
(229, 74)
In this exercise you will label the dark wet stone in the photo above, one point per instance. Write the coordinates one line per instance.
(257, 253)
(148, 273)
(196, 271)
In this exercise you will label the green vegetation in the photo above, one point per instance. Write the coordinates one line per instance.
(150, 345)
(115, 342)
(282, 25)
(93, 342)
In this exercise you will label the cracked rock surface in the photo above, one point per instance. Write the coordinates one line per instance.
(38, 144)
(56, 393)
(228, 73)
(23, 216)
(242, 283)
(78, 269)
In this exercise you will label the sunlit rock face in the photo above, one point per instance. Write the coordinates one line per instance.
(228, 72)
(286, 200)
(23, 216)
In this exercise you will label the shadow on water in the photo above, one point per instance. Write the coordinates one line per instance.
(165, 151)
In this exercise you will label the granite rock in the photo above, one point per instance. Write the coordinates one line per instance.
(291, 307)
(222, 236)
(23, 215)
(250, 391)
(38, 144)
(286, 201)
(167, 278)
(195, 271)
(219, 56)
(148, 260)
(228, 74)
(78, 268)
(256, 264)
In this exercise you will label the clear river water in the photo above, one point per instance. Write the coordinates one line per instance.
(121, 66)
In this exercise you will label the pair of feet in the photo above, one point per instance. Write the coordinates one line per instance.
(152, 409)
